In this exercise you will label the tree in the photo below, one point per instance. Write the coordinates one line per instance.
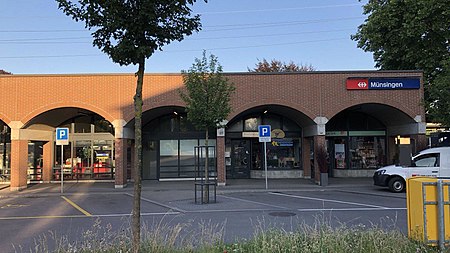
(2, 72)
(278, 66)
(129, 32)
(207, 98)
(408, 35)
(440, 94)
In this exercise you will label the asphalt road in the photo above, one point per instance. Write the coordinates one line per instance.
(30, 217)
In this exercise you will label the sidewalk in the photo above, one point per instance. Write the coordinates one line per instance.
(233, 185)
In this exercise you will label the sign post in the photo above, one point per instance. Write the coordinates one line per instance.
(62, 138)
(264, 134)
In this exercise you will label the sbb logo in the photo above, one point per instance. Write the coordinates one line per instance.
(362, 84)
(357, 84)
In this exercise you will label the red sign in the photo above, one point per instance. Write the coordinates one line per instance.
(358, 84)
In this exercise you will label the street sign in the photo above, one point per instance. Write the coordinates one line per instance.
(62, 136)
(264, 133)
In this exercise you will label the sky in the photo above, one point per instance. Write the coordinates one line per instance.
(38, 38)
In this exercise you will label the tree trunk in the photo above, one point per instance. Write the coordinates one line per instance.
(136, 214)
(206, 196)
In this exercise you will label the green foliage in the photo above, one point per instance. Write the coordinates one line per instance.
(207, 94)
(440, 92)
(131, 31)
(278, 66)
(408, 35)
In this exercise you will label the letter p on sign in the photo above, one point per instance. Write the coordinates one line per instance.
(62, 136)
(264, 133)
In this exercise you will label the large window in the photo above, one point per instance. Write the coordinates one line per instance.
(367, 152)
(177, 157)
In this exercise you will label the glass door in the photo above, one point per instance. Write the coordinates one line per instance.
(240, 158)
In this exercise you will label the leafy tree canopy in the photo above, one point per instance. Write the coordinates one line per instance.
(2, 72)
(440, 93)
(208, 93)
(278, 66)
(408, 35)
(130, 31)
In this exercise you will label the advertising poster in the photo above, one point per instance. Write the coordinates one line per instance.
(339, 155)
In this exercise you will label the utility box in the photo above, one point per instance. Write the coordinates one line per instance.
(425, 221)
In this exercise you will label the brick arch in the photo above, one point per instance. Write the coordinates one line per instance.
(5, 119)
(38, 111)
(297, 107)
(393, 104)
(128, 117)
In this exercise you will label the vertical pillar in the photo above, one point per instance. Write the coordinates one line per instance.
(319, 143)
(19, 164)
(120, 146)
(220, 153)
(122, 135)
(306, 145)
(48, 155)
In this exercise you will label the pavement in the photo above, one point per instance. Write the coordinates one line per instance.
(166, 187)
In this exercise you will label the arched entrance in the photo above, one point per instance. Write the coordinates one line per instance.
(168, 141)
(89, 155)
(365, 137)
(244, 154)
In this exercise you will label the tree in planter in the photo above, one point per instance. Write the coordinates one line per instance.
(129, 32)
(207, 98)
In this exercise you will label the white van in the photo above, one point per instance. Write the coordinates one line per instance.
(433, 162)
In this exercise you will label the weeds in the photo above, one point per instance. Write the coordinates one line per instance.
(159, 237)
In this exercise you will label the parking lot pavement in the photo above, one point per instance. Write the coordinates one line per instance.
(28, 214)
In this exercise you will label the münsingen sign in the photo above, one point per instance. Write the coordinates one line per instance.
(382, 83)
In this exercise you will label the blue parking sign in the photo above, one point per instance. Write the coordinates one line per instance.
(264, 133)
(62, 136)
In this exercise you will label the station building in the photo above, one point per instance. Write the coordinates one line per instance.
(364, 119)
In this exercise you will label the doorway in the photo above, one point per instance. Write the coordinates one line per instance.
(240, 159)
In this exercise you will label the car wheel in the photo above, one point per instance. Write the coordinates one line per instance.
(396, 184)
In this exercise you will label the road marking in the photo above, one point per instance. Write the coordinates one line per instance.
(76, 206)
(12, 206)
(81, 216)
(327, 200)
(158, 203)
(254, 202)
(350, 209)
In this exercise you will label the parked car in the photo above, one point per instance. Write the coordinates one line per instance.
(433, 162)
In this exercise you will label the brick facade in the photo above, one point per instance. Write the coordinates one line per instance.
(314, 95)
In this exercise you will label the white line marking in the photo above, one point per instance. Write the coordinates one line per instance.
(327, 200)
(254, 202)
(349, 209)
(157, 203)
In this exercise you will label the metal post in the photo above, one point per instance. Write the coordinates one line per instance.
(62, 169)
(265, 163)
(441, 224)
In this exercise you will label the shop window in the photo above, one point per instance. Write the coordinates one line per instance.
(82, 127)
(35, 160)
(251, 124)
(103, 126)
(236, 127)
(281, 154)
(273, 120)
(367, 152)
(289, 125)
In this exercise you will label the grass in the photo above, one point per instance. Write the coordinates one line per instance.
(205, 237)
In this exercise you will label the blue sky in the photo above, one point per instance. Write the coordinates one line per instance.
(37, 38)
